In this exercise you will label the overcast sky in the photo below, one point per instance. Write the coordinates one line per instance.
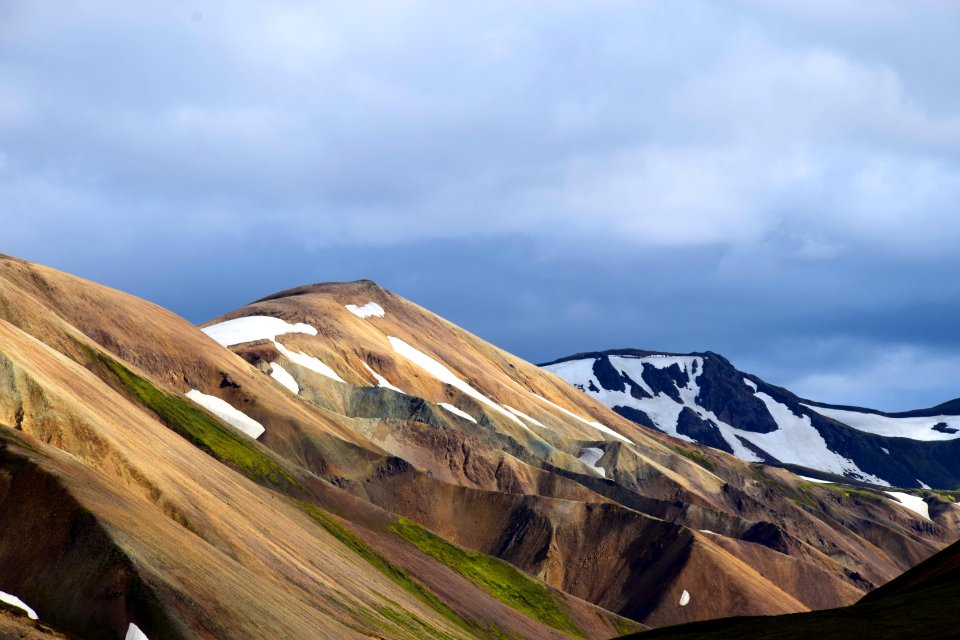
(775, 181)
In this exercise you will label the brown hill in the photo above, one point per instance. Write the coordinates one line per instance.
(361, 510)
(917, 604)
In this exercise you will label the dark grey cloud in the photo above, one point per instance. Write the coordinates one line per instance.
(776, 181)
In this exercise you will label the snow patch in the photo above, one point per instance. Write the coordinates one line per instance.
(457, 411)
(684, 598)
(632, 368)
(446, 376)
(798, 442)
(923, 484)
(885, 450)
(662, 410)
(227, 413)
(521, 414)
(381, 381)
(665, 412)
(751, 384)
(134, 633)
(580, 371)
(712, 533)
(591, 423)
(18, 603)
(913, 428)
(283, 376)
(308, 362)
(914, 503)
(367, 310)
(817, 480)
(589, 456)
(251, 328)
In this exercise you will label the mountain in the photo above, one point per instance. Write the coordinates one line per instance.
(334, 461)
(917, 604)
(702, 397)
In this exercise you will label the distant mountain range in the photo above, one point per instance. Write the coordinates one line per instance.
(702, 397)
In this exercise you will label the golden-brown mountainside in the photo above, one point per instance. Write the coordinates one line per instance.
(335, 461)
(917, 604)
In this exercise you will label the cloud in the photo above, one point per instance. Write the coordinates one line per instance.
(892, 377)
(376, 125)
(733, 176)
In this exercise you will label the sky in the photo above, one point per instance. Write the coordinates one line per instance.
(776, 181)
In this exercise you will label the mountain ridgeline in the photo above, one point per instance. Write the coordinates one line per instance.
(334, 461)
(702, 397)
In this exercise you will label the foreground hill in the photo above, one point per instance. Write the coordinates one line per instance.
(335, 461)
(701, 397)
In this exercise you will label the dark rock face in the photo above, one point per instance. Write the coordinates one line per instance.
(42, 521)
(769, 535)
(637, 416)
(723, 392)
(608, 377)
(703, 431)
(667, 380)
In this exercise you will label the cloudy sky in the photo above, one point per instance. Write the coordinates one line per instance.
(775, 181)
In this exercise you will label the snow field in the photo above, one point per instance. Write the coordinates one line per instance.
(589, 456)
(444, 375)
(283, 376)
(371, 309)
(227, 413)
(381, 381)
(914, 503)
(18, 603)
(457, 411)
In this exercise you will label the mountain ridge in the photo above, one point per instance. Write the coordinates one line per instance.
(400, 455)
(952, 405)
(721, 407)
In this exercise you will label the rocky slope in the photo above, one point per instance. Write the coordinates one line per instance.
(335, 461)
(701, 397)
(918, 604)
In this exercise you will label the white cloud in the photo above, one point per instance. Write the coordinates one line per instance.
(389, 123)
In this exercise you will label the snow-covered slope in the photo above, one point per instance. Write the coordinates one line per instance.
(701, 397)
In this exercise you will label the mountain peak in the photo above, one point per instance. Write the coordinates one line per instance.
(351, 287)
(702, 397)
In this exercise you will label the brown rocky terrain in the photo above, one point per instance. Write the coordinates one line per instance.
(465, 501)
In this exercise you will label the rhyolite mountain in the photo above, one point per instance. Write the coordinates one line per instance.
(702, 397)
(334, 461)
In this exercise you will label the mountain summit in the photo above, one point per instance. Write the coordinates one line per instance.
(702, 397)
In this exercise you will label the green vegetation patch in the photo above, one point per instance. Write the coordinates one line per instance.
(696, 456)
(500, 579)
(950, 495)
(626, 625)
(397, 574)
(404, 619)
(802, 495)
(197, 426)
(857, 494)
